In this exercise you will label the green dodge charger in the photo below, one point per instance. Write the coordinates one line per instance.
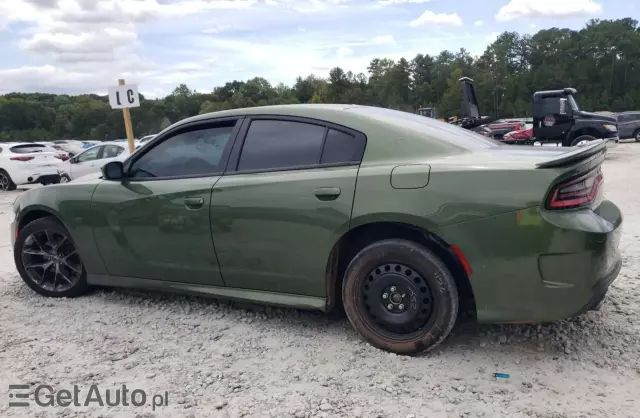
(402, 220)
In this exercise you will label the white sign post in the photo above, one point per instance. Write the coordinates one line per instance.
(124, 96)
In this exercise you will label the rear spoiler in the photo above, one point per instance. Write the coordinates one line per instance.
(579, 154)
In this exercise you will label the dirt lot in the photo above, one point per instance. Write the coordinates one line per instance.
(217, 360)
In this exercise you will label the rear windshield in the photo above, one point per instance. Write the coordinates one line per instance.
(27, 148)
(451, 133)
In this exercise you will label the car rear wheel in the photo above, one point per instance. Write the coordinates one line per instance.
(6, 184)
(636, 135)
(400, 297)
(47, 259)
(65, 178)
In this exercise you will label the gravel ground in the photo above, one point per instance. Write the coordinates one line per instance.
(215, 359)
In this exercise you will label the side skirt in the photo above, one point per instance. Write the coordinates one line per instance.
(244, 295)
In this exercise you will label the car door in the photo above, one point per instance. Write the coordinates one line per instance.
(85, 163)
(627, 124)
(283, 203)
(155, 223)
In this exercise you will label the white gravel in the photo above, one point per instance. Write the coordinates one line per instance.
(219, 360)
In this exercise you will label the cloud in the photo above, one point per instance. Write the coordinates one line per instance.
(383, 40)
(532, 9)
(344, 52)
(478, 23)
(389, 2)
(217, 29)
(100, 41)
(437, 19)
(80, 46)
(492, 37)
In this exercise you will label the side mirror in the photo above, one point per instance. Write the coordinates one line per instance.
(72, 159)
(113, 170)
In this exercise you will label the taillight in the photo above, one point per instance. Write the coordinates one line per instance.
(24, 158)
(62, 157)
(576, 192)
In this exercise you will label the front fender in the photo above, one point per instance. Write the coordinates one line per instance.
(71, 205)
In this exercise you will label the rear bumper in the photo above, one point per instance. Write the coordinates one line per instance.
(49, 176)
(600, 290)
(534, 265)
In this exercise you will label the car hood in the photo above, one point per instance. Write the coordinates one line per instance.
(597, 116)
(89, 178)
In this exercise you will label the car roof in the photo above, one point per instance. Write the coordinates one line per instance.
(383, 127)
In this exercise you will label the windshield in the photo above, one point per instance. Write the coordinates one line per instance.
(458, 136)
(573, 103)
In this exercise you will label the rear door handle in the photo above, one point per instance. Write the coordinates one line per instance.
(193, 202)
(327, 193)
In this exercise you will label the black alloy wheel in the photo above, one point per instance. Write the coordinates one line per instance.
(6, 184)
(48, 261)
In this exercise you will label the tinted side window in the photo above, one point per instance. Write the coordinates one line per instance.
(191, 153)
(89, 155)
(550, 106)
(111, 151)
(272, 144)
(341, 148)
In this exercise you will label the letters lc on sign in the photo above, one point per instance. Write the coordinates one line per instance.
(124, 96)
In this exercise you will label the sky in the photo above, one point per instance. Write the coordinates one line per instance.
(84, 46)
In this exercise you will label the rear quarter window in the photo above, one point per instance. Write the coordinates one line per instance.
(341, 147)
(27, 149)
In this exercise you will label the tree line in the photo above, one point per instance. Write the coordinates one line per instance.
(602, 61)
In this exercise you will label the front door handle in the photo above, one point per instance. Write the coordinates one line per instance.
(327, 193)
(193, 202)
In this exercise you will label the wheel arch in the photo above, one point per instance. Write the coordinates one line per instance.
(359, 237)
(587, 130)
(33, 213)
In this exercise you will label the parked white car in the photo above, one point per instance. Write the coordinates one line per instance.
(92, 159)
(147, 138)
(71, 146)
(28, 163)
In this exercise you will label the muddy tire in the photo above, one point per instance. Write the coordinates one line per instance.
(400, 297)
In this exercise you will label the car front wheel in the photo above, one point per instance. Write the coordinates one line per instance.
(400, 297)
(48, 261)
(6, 183)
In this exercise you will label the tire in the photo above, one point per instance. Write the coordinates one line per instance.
(636, 135)
(64, 179)
(581, 138)
(372, 279)
(6, 184)
(42, 255)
